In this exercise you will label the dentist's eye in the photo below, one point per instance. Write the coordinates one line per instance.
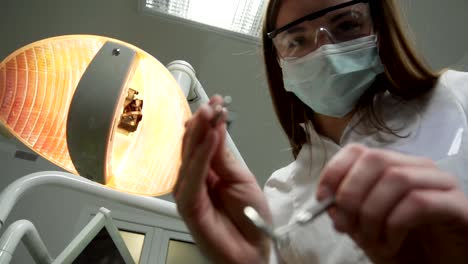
(296, 43)
(349, 27)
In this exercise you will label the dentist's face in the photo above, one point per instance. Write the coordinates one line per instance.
(343, 24)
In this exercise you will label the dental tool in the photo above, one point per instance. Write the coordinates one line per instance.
(302, 218)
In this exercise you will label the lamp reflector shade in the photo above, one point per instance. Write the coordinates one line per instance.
(144, 136)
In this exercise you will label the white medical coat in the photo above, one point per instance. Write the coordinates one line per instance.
(435, 127)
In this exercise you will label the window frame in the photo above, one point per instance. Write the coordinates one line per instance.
(144, 10)
(158, 230)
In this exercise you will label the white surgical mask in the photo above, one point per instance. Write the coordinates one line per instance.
(331, 79)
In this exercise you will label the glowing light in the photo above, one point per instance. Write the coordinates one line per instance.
(37, 84)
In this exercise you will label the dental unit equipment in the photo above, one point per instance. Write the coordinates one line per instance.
(24, 230)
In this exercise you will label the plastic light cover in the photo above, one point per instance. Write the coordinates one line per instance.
(37, 84)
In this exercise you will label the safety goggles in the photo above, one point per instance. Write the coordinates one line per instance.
(332, 25)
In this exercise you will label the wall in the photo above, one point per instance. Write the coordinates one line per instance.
(439, 28)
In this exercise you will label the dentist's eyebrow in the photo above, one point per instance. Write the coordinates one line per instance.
(297, 29)
(348, 13)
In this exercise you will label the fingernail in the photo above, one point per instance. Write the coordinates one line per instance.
(211, 102)
(216, 117)
(218, 108)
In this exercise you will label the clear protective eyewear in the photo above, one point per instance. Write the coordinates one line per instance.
(332, 25)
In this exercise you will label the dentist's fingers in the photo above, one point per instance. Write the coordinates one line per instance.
(343, 172)
(352, 173)
(224, 163)
(195, 126)
(185, 139)
(199, 125)
(420, 207)
(216, 100)
(185, 156)
(195, 130)
(389, 191)
(192, 194)
(335, 170)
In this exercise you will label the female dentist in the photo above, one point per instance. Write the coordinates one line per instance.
(367, 121)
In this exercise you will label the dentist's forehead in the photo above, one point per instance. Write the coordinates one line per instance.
(291, 10)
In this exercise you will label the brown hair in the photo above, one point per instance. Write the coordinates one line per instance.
(406, 76)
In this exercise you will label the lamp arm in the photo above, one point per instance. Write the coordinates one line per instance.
(23, 230)
(15, 190)
(185, 75)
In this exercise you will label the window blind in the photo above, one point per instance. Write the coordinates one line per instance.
(242, 16)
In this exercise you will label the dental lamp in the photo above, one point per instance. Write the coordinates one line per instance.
(101, 108)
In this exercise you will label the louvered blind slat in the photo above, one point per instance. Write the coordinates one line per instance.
(242, 16)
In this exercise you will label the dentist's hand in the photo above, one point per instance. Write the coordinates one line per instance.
(397, 208)
(212, 191)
